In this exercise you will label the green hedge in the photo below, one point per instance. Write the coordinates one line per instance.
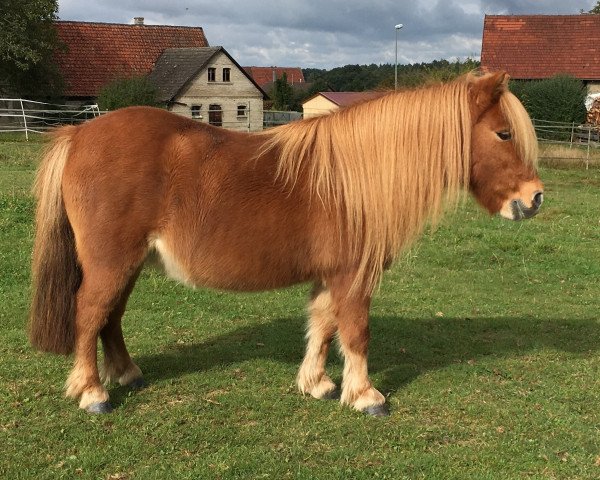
(127, 92)
(557, 99)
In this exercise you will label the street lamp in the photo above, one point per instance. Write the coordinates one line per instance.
(397, 27)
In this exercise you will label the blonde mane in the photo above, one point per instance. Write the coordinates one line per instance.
(389, 164)
(521, 128)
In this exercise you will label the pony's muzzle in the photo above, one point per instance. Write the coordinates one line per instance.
(520, 211)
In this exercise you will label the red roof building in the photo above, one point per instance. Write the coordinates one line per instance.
(541, 46)
(97, 53)
(266, 75)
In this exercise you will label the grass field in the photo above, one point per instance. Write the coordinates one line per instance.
(485, 338)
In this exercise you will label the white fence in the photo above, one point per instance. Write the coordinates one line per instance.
(28, 116)
(568, 141)
(567, 133)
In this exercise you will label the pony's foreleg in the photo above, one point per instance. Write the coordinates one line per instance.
(353, 333)
(118, 366)
(312, 378)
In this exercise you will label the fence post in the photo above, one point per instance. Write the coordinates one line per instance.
(24, 119)
(572, 134)
(587, 160)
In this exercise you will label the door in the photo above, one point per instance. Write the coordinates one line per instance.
(215, 115)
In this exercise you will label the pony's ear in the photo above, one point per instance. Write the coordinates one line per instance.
(485, 90)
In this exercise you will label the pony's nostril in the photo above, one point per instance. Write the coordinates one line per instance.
(538, 199)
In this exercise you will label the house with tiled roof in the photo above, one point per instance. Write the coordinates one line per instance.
(98, 53)
(207, 84)
(325, 102)
(266, 76)
(532, 47)
(192, 78)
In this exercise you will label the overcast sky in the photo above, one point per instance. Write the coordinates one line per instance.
(325, 33)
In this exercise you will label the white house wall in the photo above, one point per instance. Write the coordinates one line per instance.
(318, 105)
(238, 91)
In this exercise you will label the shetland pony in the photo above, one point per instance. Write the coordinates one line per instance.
(329, 200)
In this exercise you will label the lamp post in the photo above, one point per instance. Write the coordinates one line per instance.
(397, 27)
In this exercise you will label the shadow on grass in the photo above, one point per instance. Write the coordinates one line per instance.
(400, 350)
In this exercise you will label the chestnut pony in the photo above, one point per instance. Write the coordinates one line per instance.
(329, 200)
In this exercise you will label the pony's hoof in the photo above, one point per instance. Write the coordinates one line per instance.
(137, 384)
(381, 410)
(99, 408)
(332, 395)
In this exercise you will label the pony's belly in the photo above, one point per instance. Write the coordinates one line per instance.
(209, 269)
(172, 266)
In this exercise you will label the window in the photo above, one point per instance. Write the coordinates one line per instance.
(196, 111)
(212, 74)
(227, 74)
(242, 111)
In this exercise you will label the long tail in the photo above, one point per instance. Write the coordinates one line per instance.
(55, 271)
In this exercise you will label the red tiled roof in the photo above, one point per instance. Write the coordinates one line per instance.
(343, 99)
(264, 75)
(540, 46)
(100, 52)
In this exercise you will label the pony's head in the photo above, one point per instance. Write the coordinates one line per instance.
(503, 175)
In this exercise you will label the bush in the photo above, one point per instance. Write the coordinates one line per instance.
(126, 92)
(557, 99)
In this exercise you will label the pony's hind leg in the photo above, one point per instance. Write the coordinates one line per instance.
(117, 365)
(352, 311)
(100, 293)
(312, 378)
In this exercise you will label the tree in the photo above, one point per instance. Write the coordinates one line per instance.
(596, 9)
(28, 40)
(282, 94)
(126, 92)
(358, 78)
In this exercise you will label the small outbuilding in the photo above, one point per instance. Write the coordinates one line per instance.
(325, 102)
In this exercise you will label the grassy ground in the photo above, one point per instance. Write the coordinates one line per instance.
(485, 338)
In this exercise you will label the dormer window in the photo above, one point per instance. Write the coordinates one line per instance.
(227, 74)
(212, 74)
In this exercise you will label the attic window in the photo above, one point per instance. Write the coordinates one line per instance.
(212, 74)
(196, 111)
(227, 74)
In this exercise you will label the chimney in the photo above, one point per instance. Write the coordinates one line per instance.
(138, 20)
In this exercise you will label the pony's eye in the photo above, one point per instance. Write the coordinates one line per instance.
(504, 135)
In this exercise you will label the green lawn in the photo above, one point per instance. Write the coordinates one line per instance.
(485, 338)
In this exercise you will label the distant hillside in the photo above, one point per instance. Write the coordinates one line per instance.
(357, 78)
